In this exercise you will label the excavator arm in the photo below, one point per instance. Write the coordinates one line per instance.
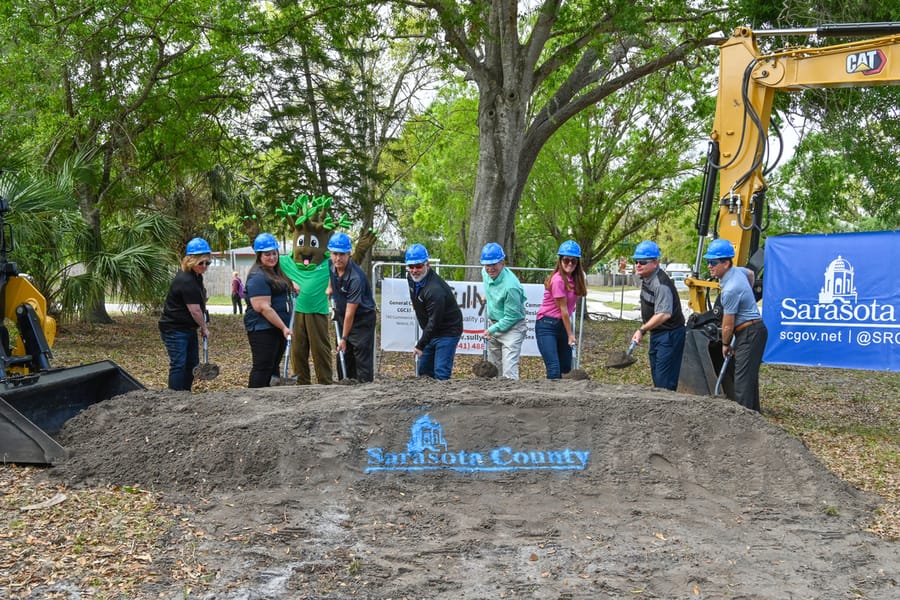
(734, 176)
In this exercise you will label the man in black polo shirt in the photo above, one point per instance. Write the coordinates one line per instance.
(660, 313)
(354, 307)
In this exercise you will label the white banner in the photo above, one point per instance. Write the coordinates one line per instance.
(398, 321)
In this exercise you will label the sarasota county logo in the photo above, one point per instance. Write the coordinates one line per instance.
(838, 302)
(427, 450)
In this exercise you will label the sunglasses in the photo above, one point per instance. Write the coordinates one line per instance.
(643, 261)
(416, 267)
(205, 263)
(713, 263)
(569, 260)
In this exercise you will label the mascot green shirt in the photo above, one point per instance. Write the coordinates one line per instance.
(313, 281)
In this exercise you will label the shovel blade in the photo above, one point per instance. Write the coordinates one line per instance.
(620, 360)
(206, 371)
(485, 369)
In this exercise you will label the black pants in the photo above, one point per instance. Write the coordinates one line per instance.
(237, 305)
(749, 345)
(361, 348)
(267, 348)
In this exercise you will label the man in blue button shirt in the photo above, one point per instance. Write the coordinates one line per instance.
(744, 334)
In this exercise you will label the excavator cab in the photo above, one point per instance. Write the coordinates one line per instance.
(35, 399)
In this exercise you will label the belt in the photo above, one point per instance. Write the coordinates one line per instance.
(745, 325)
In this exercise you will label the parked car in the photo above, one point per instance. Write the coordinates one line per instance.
(678, 280)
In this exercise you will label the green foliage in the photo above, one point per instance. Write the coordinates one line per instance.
(843, 176)
(433, 206)
(836, 185)
(619, 170)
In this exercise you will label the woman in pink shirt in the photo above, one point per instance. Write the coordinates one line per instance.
(553, 329)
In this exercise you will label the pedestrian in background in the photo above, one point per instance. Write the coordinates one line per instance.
(354, 310)
(184, 312)
(437, 312)
(744, 334)
(505, 305)
(237, 294)
(661, 314)
(266, 320)
(553, 329)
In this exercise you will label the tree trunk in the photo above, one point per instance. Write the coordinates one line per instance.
(95, 311)
(499, 184)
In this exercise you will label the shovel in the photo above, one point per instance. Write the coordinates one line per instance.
(206, 371)
(620, 360)
(485, 368)
(577, 373)
(284, 379)
(341, 359)
(415, 355)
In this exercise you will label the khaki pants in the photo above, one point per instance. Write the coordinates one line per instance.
(504, 349)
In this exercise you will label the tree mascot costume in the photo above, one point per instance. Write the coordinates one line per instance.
(308, 268)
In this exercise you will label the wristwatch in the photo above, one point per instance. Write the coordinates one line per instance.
(643, 331)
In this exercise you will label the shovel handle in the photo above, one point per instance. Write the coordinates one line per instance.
(631, 348)
(205, 349)
(337, 334)
(724, 368)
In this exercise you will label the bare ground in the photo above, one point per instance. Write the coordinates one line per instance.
(265, 494)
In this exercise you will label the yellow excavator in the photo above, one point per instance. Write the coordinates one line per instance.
(35, 399)
(738, 150)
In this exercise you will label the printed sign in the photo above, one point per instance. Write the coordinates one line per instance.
(832, 300)
(427, 450)
(398, 321)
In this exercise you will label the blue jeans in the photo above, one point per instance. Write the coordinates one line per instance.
(184, 355)
(437, 358)
(666, 350)
(553, 344)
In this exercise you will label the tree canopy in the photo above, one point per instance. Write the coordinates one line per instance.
(427, 120)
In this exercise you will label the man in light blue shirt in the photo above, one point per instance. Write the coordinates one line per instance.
(744, 334)
(505, 308)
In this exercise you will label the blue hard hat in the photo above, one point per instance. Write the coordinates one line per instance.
(416, 254)
(492, 253)
(647, 249)
(570, 248)
(719, 248)
(265, 242)
(340, 242)
(198, 246)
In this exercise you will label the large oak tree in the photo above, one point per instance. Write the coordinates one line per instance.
(538, 65)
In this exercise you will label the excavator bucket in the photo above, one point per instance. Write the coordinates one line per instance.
(701, 364)
(34, 407)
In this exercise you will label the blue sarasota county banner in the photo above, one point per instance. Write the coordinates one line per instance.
(833, 300)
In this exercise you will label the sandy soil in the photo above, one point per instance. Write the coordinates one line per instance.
(678, 497)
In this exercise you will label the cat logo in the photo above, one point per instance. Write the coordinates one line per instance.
(870, 62)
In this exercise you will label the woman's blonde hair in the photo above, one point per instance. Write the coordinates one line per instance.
(192, 260)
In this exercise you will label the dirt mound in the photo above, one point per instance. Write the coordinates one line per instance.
(489, 488)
